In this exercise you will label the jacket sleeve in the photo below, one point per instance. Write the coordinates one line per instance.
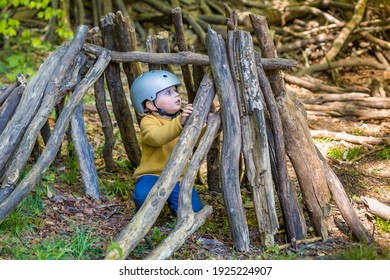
(156, 135)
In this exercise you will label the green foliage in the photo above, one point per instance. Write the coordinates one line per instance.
(115, 246)
(336, 153)
(354, 153)
(385, 153)
(382, 224)
(157, 235)
(23, 48)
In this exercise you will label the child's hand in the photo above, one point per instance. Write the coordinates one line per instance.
(185, 114)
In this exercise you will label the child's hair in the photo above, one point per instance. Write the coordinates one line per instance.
(146, 86)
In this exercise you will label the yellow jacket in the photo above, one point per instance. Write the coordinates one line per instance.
(158, 139)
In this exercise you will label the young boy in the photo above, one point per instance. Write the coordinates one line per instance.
(154, 96)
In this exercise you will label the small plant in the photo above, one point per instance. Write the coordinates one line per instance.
(383, 224)
(157, 235)
(385, 153)
(336, 153)
(354, 153)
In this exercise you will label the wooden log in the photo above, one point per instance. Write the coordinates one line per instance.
(299, 144)
(181, 58)
(49, 153)
(344, 203)
(9, 106)
(108, 130)
(253, 130)
(29, 103)
(6, 92)
(328, 97)
(151, 47)
(127, 42)
(362, 140)
(67, 72)
(163, 47)
(145, 217)
(231, 138)
(187, 220)
(85, 155)
(181, 44)
(119, 101)
(377, 208)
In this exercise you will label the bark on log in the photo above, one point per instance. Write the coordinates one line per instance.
(253, 130)
(6, 92)
(181, 58)
(187, 220)
(119, 101)
(181, 44)
(291, 209)
(30, 102)
(362, 140)
(49, 153)
(377, 208)
(64, 77)
(231, 138)
(127, 42)
(300, 146)
(85, 155)
(8, 108)
(344, 204)
(108, 130)
(145, 217)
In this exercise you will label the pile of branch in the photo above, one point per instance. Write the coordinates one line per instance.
(66, 71)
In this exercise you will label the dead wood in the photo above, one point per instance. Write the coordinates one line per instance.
(362, 140)
(377, 208)
(253, 129)
(181, 44)
(30, 101)
(342, 37)
(329, 97)
(49, 154)
(145, 217)
(231, 138)
(348, 62)
(296, 45)
(127, 42)
(187, 220)
(8, 108)
(65, 77)
(344, 204)
(85, 155)
(181, 58)
(382, 43)
(6, 92)
(299, 145)
(107, 127)
(119, 101)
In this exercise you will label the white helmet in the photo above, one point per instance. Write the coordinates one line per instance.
(146, 86)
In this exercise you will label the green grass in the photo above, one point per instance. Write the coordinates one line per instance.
(336, 153)
(365, 252)
(385, 153)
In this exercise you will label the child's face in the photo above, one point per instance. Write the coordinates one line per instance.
(168, 100)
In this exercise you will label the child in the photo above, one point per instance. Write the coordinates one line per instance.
(154, 96)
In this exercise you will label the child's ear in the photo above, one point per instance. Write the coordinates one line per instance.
(149, 104)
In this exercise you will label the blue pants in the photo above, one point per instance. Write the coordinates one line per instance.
(145, 183)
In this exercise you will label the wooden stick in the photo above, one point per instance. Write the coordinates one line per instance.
(231, 138)
(85, 155)
(181, 58)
